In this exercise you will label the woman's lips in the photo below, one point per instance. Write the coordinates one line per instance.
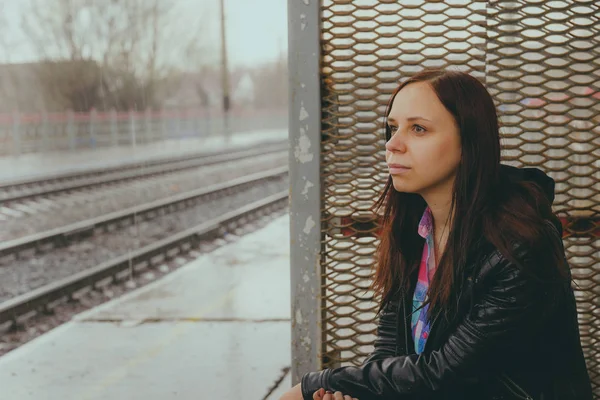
(396, 169)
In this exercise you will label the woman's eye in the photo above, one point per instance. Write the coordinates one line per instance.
(419, 129)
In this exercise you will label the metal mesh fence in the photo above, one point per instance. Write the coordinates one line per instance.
(540, 61)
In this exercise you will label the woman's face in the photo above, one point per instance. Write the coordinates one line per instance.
(424, 150)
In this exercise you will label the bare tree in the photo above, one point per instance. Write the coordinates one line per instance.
(112, 47)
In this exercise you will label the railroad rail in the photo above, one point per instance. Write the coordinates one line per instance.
(43, 298)
(23, 189)
(57, 237)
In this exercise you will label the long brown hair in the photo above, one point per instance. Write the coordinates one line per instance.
(490, 211)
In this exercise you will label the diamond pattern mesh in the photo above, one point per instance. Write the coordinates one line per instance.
(540, 61)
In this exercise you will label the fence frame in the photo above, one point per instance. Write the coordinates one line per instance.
(304, 30)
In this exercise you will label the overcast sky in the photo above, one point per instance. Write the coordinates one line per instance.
(256, 29)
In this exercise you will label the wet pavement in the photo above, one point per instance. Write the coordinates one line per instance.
(217, 328)
(35, 165)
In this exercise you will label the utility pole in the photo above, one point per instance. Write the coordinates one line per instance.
(225, 76)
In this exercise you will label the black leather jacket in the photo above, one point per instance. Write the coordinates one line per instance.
(515, 340)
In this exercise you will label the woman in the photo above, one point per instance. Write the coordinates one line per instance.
(473, 249)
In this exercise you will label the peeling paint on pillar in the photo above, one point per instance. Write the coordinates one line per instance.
(299, 316)
(302, 149)
(309, 224)
(305, 185)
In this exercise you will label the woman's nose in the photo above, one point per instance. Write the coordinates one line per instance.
(395, 144)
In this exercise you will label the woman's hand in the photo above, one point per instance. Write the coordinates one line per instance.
(321, 394)
(295, 393)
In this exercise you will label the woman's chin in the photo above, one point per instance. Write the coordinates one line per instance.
(403, 188)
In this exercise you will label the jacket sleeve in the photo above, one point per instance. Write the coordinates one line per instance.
(511, 305)
(385, 341)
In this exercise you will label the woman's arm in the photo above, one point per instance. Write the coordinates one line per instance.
(385, 342)
(512, 305)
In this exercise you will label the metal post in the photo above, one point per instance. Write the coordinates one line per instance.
(225, 76)
(305, 185)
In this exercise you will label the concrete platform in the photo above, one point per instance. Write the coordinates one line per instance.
(38, 165)
(219, 328)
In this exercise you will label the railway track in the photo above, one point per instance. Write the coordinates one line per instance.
(122, 266)
(55, 211)
(23, 190)
(59, 237)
